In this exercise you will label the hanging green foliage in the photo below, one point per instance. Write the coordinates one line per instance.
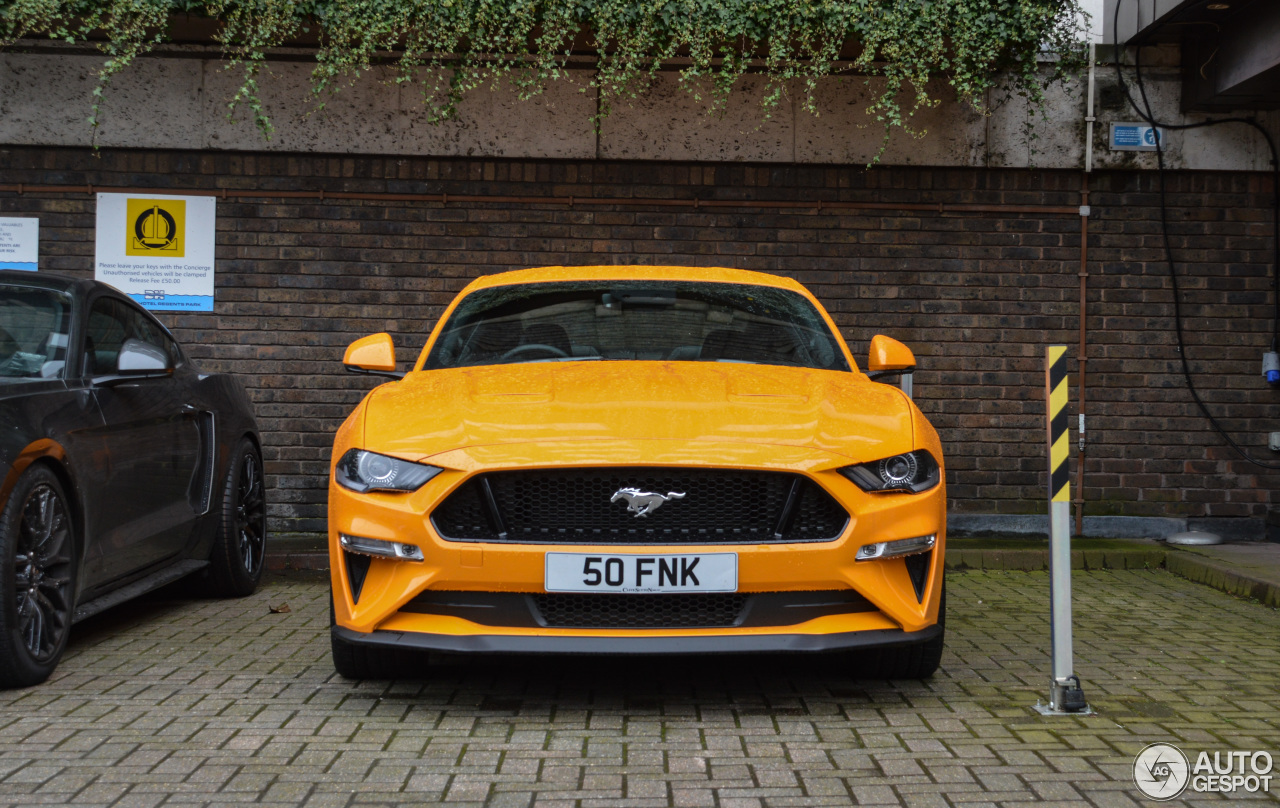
(448, 47)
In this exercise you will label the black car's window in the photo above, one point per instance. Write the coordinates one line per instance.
(34, 326)
(111, 322)
(654, 320)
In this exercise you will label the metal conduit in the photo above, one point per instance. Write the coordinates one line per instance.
(571, 201)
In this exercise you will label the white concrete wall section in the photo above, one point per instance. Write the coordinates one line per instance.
(376, 115)
(1230, 147)
(47, 100)
(181, 103)
(668, 123)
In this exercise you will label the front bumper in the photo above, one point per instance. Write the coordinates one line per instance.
(378, 601)
(702, 644)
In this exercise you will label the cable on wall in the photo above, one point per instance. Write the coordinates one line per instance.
(1146, 113)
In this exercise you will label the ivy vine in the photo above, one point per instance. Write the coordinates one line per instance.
(448, 47)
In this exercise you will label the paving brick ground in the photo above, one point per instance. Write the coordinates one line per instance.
(187, 702)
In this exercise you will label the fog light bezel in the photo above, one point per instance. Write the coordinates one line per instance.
(380, 548)
(899, 548)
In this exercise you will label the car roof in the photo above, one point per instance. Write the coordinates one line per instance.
(46, 280)
(634, 273)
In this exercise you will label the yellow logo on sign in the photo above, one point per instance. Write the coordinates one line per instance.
(156, 227)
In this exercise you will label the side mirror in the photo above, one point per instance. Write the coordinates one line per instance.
(137, 360)
(891, 358)
(138, 357)
(374, 355)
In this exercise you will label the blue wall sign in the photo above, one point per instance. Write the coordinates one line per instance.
(1135, 137)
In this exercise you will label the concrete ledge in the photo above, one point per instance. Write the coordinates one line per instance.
(1248, 570)
(1109, 527)
(1220, 576)
(978, 554)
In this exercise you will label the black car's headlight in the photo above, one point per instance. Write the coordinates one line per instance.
(914, 472)
(363, 471)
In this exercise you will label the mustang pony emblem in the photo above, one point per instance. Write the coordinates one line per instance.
(643, 502)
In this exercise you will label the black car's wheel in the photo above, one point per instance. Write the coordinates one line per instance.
(37, 585)
(235, 563)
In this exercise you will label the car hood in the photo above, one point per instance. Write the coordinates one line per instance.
(433, 412)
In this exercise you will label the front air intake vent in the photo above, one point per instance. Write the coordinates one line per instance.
(640, 611)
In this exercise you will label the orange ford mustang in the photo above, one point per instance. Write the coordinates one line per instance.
(636, 460)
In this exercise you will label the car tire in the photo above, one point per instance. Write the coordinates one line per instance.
(353, 661)
(239, 543)
(37, 578)
(917, 661)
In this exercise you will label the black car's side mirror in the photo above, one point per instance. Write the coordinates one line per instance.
(137, 356)
(138, 360)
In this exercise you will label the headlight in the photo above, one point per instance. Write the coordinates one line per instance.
(914, 472)
(363, 471)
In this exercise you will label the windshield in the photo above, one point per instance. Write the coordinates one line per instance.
(34, 324)
(654, 320)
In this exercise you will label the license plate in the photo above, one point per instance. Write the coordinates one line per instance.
(658, 572)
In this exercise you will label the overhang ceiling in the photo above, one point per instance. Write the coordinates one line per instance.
(1230, 48)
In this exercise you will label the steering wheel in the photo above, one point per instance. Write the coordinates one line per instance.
(533, 346)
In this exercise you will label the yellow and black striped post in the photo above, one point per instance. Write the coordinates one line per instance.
(1065, 693)
(1055, 379)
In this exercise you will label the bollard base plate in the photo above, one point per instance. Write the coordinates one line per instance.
(1045, 709)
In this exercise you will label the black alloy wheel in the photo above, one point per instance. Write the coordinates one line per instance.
(240, 542)
(251, 513)
(37, 544)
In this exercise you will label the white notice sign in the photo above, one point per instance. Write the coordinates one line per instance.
(19, 243)
(157, 249)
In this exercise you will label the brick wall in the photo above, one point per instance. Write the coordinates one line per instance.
(977, 295)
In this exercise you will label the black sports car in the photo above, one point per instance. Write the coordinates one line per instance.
(124, 466)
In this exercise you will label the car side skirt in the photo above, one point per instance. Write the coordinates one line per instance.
(703, 644)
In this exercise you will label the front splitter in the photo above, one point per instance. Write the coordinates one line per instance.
(704, 644)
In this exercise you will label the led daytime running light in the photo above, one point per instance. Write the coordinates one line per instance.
(896, 549)
(380, 548)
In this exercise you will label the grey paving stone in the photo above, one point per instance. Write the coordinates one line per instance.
(178, 702)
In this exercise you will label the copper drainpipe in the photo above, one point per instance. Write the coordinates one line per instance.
(816, 205)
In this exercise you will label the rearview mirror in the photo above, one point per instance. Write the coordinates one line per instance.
(374, 355)
(891, 358)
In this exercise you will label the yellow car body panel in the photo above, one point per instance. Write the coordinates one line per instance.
(703, 415)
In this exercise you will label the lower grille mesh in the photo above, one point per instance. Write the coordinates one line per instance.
(641, 611)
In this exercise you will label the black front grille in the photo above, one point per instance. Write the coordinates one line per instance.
(640, 611)
(582, 506)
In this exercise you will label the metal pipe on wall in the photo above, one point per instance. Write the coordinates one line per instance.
(818, 205)
(1081, 358)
